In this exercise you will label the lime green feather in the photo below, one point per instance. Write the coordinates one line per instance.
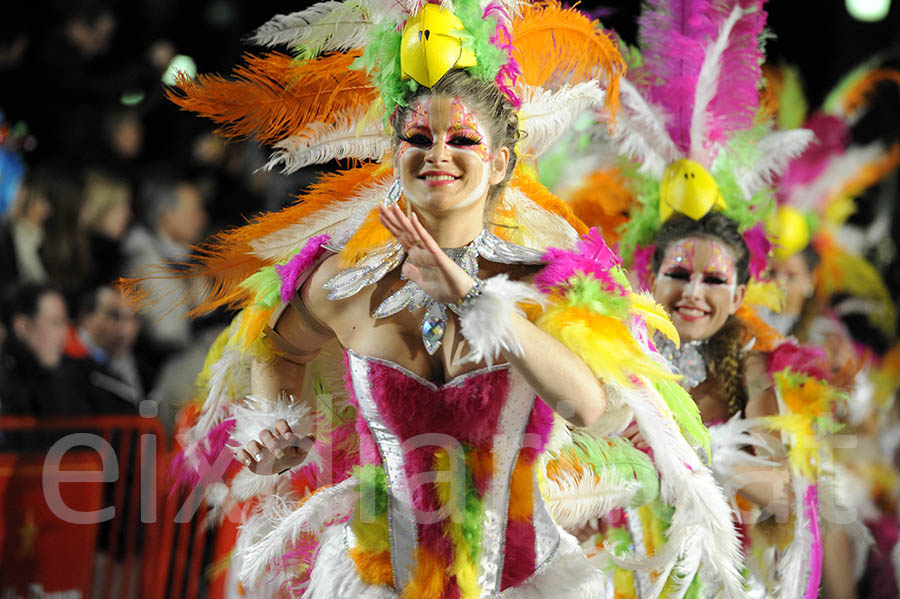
(685, 411)
(265, 285)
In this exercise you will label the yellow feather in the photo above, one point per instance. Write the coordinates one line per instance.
(654, 315)
(604, 343)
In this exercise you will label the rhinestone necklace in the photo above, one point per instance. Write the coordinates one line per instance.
(687, 359)
(379, 262)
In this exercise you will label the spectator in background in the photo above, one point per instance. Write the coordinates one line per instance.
(66, 251)
(102, 350)
(34, 381)
(104, 219)
(175, 218)
(22, 235)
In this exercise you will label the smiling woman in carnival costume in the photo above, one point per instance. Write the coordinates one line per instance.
(425, 282)
(699, 168)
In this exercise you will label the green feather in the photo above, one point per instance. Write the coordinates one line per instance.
(588, 292)
(373, 496)
(617, 457)
(265, 285)
(685, 411)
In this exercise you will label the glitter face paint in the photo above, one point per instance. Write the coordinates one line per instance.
(697, 285)
(444, 156)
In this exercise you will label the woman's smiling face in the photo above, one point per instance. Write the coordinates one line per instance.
(444, 159)
(697, 285)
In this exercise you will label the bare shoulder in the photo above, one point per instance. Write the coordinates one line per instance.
(314, 294)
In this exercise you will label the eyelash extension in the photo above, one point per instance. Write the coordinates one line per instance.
(424, 141)
(463, 140)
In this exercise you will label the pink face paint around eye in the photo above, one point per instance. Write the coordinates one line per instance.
(721, 262)
(466, 123)
(680, 255)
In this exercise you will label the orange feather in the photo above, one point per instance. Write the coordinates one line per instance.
(604, 202)
(274, 96)
(543, 197)
(430, 578)
(857, 96)
(372, 567)
(755, 328)
(556, 46)
(521, 492)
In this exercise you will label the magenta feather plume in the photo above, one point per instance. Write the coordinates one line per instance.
(591, 257)
(675, 36)
(191, 465)
(290, 272)
(737, 98)
(759, 246)
(642, 264)
(804, 359)
(811, 505)
(510, 71)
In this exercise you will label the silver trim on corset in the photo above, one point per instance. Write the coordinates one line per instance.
(401, 524)
(507, 443)
(546, 534)
(636, 528)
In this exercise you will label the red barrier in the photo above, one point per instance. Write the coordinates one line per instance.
(140, 552)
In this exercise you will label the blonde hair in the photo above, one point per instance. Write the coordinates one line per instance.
(102, 193)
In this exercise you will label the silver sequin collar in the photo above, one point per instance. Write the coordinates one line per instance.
(379, 262)
(686, 360)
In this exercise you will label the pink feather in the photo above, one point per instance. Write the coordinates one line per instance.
(591, 257)
(674, 36)
(759, 247)
(183, 473)
(811, 503)
(290, 272)
(510, 71)
(808, 360)
(642, 264)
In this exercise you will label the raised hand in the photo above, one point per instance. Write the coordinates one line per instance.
(426, 264)
(277, 449)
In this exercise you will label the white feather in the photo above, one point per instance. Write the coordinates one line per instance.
(560, 436)
(576, 498)
(839, 171)
(538, 228)
(318, 511)
(775, 150)
(257, 413)
(323, 27)
(793, 567)
(318, 143)
(229, 378)
(545, 115)
(702, 519)
(641, 133)
(488, 324)
(708, 84)
(347, 215)
(727, 443)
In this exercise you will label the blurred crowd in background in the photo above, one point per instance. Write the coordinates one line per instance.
(113, 179)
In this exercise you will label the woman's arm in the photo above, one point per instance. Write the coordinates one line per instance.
(769, 487)
(297, 336)
(556, 374)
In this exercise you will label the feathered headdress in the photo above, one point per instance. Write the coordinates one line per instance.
(816, 192)
(685, 127)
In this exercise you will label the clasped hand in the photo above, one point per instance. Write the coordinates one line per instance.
(277, 449)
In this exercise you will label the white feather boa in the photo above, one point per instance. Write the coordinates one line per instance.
(487, 325)
(264, 537)
(775, 151)
(687, 485)
(793, 567)
(255, 414)
(727, 443)
(641, 132)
